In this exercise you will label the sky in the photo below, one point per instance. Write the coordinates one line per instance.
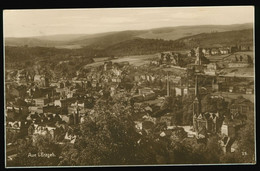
(42, 22)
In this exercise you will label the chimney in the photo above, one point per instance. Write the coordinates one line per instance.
(168, 85)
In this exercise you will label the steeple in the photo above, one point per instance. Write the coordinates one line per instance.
(196, 103)
(198, 56)
(76, 114)
(196, 86)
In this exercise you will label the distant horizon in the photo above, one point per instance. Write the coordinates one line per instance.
(47, 22)
(128, 30)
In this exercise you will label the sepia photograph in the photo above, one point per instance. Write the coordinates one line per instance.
(118, 87)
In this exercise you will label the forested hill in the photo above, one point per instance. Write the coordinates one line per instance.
(148, 46)
(102, 40)
(218, 39)
(136, 46)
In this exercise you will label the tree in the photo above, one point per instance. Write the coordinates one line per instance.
(107, 136)
(245, 152)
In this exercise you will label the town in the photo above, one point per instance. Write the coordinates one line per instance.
(192, 95)
(129, 86)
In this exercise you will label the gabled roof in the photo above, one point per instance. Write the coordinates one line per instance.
(241, 100)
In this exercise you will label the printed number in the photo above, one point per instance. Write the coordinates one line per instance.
(244, 153)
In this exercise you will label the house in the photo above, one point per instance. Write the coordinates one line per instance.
(43, 130)
(137, 98)
(231, 89)
(149, 96)
(41, 101)
(233, 49)
(19, 91)
(229, 129)
(203, 50)
(107, 65)
(136, 78)
(215, 51)
(123, 63)
(205, 123)
(180, 91)
(138, 125)
(242, 106)
(65, 118)
(212, 66)
(168, 119)
(190, 132)
(145, 90)
(213, 122)
(51, 109)
(70, 137)
(14, 125)
(116, 71)
(22, 79)
(63, 103)
(249, 91)
(224, 51)
(94, 83)
(191, 53)
(156, 63)
(207, 52)
(216, 86)
(241, 88)
(147, 126)
(41, 80)
(35, 109)
(61, 85)
(246, 47)
(175, 80)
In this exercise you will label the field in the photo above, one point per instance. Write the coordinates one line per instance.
(219, 58)
(68, 46)
(137, 60)
(238, 72)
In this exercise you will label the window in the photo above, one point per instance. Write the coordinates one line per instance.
(244, 109)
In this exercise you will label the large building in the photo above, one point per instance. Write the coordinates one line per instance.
(205, 123)
(41, 101)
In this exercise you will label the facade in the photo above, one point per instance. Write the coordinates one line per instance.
(168, 119)
(241, 106)
(224, 51)
(41, 101)
(107, 65)
(198, 54)
(215, 51)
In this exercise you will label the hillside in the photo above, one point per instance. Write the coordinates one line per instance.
(103, 40)
(219, 39)
(174, 33)
(148, 46)
(133, 46)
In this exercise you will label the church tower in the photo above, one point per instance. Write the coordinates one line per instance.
(196, 105)
(76, 114)
(198, 54)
